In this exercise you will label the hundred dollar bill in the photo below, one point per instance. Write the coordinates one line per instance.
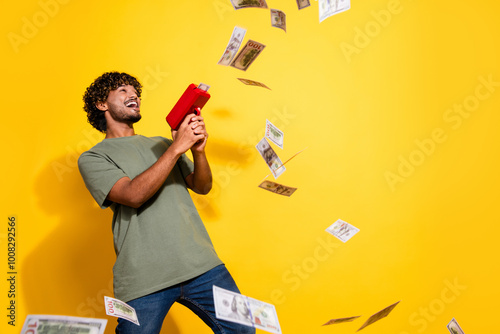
(247, 55)
(274, 134)
(253, 83)
(235, 307)
(379, 315)
(303, 4)
(278, 19)
(328, 8)
(233, 46)
(238, 4)
(277, 188)
(50, 324)
(342, 230)
(271, 158)
(454, 328)
(340, 320)
(117, 308)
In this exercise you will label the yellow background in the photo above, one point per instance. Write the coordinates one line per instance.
(359, 115)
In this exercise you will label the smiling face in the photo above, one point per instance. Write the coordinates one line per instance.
(123, 105)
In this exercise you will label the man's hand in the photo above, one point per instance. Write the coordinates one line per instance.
(190, 135)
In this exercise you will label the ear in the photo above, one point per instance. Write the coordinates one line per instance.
(101, 106)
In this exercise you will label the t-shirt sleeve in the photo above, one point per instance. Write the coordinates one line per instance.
(100, 175)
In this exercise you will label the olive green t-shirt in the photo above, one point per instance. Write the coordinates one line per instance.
(163, 242)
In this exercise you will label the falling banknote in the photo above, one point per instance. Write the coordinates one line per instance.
(340, 320)
(233, 46)
(454, 328)
(379, 315)
(270, 157)
(117, 308)
(328, 8)
(234, 307)
(277, 188)
(303, 4)
(48, 324)
(238, 4)
(342, 230)
(247, 55)
(274, 134)
(278, 19)
(253, 83)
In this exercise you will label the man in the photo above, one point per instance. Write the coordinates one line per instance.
(163, 251)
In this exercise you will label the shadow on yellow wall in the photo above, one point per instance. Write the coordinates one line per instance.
(70, 271)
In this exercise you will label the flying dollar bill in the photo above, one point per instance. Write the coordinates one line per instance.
(253, 83)
(379, 315)
(48, 324)
(233, 46)
(303, 4)
(238, 4)
(270, 157)
(454, 328)
(328, 8)
(342, 230)
(119, 309)
(247, 55)
(234, 307)
(277, 188)
(274, 134)
(278, 19)
(340, 320)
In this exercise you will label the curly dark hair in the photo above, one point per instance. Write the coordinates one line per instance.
(98, 92)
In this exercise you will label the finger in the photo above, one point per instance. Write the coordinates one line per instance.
(197, 125)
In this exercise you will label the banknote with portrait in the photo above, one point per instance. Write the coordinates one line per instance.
(232, 46)
(328, 8)
(278, 19)
(235, 307)
(271, 158)
(342, 230)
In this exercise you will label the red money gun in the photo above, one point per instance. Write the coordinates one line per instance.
(191, 102)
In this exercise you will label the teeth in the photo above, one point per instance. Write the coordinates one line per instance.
(131, 104)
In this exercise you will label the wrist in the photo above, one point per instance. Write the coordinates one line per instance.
(175, 150)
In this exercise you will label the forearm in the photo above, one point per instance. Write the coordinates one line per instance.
(201, 179)
(137, 191)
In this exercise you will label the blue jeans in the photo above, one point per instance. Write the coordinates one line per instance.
(196, 294)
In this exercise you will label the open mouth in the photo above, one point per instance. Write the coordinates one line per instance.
(131, 104)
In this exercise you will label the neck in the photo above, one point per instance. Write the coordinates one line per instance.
(120, 131)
